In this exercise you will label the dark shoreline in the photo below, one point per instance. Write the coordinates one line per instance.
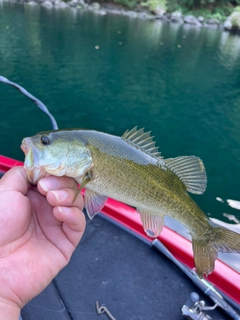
(103, 8)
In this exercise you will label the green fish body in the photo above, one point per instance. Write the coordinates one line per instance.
(130, 169)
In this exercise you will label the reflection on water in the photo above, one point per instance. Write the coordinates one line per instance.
(229, 50)
(231, 217)
(180, 82)
(234, 203)
(219, 199)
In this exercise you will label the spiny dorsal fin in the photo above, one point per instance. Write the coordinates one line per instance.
(191, 171)
(142, 140)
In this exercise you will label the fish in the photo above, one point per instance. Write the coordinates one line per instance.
(131, 170)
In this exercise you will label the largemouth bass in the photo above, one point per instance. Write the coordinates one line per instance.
(131, 170)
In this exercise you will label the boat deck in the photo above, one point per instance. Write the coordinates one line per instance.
(113, 267)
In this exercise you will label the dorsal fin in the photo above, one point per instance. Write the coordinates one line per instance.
(142, 140)
(191, 171)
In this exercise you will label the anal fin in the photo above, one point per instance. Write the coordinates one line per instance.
(94, 202)
(152, 224)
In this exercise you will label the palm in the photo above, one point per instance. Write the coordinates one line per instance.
(34, 244)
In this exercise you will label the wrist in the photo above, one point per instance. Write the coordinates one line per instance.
(9, 311)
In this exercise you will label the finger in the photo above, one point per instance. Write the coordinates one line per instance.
(74, 222)
(54, 183)
(65, 197)
(15, 180)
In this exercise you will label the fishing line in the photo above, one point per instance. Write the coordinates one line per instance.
(39, 103)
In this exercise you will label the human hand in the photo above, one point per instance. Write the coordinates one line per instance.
(39, 230)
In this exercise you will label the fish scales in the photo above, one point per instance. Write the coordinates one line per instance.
(130, 169)
(134, 177)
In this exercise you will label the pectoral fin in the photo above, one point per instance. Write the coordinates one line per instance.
(94, 203)
(152, 224)
(83, 184)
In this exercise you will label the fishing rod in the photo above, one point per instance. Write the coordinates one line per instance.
(39, 103)
(203, 285)
(34, 99)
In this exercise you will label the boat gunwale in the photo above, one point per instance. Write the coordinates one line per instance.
(224, 278)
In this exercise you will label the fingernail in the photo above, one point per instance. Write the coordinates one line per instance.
(60, 194)
(48, 183)
(64, 209)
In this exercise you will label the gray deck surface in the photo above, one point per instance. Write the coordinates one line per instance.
(113, 267)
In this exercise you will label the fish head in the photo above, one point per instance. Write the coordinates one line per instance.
(58, 153)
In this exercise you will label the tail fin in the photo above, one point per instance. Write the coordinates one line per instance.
(206, 250)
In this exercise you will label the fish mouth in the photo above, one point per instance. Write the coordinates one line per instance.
(25, 147)
(31, 162)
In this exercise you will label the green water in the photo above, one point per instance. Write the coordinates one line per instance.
(182, 83)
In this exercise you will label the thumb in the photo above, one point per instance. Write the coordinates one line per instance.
(15, 180)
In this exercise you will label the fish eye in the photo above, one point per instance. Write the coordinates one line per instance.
(45, 140)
